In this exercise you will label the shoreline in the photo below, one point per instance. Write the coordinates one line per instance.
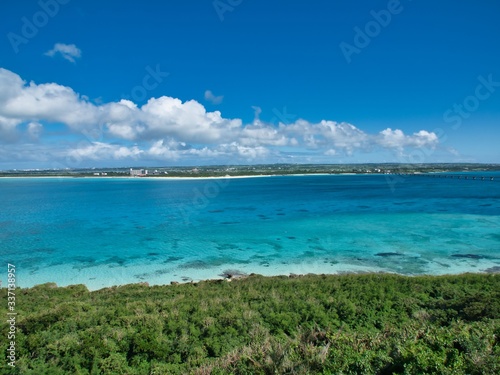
(173, 178)
(241, 276)
(228, 274)
(188, 178)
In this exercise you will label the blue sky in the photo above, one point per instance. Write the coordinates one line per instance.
(108, 83)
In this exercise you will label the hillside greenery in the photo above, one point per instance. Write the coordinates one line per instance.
(314, 324)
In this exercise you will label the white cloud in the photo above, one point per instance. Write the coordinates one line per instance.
(259, 134)
(104, 151)
(69, 52)
(328, 134)
(423, 138)
(245, 152)
(167, 128)
(396, 139)
(209, 96)
(8, 131)
(166, 150)
(257, 112)
(35, 129)
(50, 101)
(188, 121)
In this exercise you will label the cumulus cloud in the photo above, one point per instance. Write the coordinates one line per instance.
(8, 129)
(328, 134)
(396, 139)
(167, 128)
(104, 151)
(209, 96)
(259, 134)
(51, 102)
(188, 121)
(168, 149)
(35, 129)
(68, 52)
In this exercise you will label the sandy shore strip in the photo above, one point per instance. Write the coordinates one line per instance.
(105, 276)
(187, 178)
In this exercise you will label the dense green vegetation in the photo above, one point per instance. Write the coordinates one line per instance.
(348, 324)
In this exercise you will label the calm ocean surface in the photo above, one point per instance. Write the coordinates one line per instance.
(106, 231)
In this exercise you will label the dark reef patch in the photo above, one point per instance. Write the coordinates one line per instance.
(226, 246)
(162, 272)
(277, 247)
(242, 261)
(57, 263)
(46, 250)
(81, 259)
(229, 274)
(495, 269)
(494, 236)
(317, 247)
(114, 262)
(389, 254)
(251, 208)
(469, 256)
(196, 264)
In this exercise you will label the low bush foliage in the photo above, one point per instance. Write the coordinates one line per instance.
(314, 324)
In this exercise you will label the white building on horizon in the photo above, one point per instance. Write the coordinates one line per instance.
(138, 172)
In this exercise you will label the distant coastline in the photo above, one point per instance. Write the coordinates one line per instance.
(193, 177)
(250, 171)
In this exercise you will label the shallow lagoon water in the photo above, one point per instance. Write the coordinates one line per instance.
(105, 231)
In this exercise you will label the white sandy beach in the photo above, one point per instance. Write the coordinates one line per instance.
(102, 276)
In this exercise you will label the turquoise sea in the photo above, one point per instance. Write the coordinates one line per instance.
(108, 231)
